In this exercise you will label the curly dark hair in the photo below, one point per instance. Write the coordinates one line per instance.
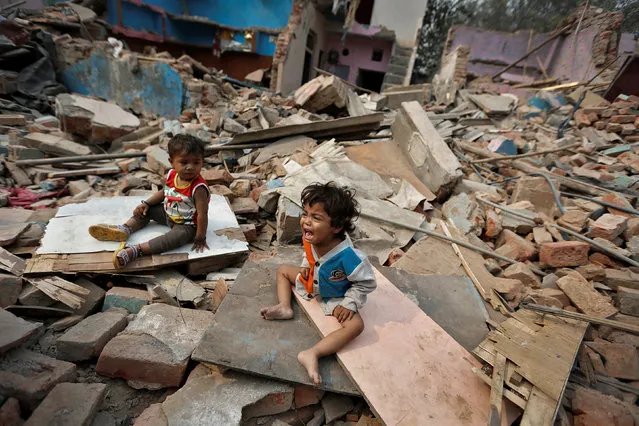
(339, 203)
(182, 144)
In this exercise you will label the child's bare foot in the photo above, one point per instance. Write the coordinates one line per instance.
(277, 312)
(309, 360)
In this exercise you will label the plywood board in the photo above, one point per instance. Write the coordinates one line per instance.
(240, 339)
(67, 232)
(409, 370)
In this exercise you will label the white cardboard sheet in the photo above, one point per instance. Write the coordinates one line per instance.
(68, 231)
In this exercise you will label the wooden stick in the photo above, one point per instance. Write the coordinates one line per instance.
(542, 67)
(526, 155)
(527, 49)
(530, 52)
(534, 83)
(582, 317)
(79, 158)
(497, 390)
(56, 293)
(66, 285)
(512, 396)
(84, 172)
(471, 274)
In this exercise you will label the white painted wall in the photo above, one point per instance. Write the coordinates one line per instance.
(293, 68)
(402, 16)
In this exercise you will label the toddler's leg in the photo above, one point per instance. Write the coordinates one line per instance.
(178, 236)
(330, 345)
(104, 232)
(286, 276)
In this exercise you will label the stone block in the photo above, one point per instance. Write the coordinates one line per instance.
(336, 406)
(94, 120)
(593, 408)
(10, 289)
(29, 376)
(158, 160)
(431, 159)
(153, 356)
(608, 226)
(537, 191)
(220, 399)
(583, 295)
(87, 339)
(549, 281)
(466, 213)
(78, 186)
(307, 395)
(241, 187)
(217, 177)
(288, 221)
(14, 330)
(244, 206)
(515, 247)
(564, 253)
(628, 301)
(521, 271)
(131, 299)
(69, 404)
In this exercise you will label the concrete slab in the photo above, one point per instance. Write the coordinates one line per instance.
(29, 376)
(69, 404)
(451, 301)
(240, 339)
(15, 330)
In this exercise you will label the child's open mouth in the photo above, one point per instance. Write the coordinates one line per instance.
(308, 235)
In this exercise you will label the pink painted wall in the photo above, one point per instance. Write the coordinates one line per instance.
(360, 53)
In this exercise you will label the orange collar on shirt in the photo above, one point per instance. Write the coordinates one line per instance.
(308, 283)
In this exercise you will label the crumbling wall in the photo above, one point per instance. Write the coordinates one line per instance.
(283, 41)
(454, 65)
(144, 87)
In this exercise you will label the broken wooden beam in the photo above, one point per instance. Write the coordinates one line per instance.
(582, 317)
(79, 158)
(84, 172)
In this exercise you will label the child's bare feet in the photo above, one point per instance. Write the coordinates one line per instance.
(309, 360)
(277, 312)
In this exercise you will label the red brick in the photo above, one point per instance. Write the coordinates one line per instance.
(608, 226)
(564, 253)
(603, 260)
(622, 119)
(601, 125)
(307, 395)
(620, 201)
(217, 176)
(395, 255)
(521, 271)
(255, 192)
(621, 361)
(493, 224)
(593, 408)
(250, 232)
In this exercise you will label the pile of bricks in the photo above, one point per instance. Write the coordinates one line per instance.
(620, 117)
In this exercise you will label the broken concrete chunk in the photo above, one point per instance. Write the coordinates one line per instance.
(217, 177)
(322, 92)
(432, 160)
(241, 187)
(288, 221)
(29, 376)
(307, 395)
(244, 206)
(537, 191)
(158, 160)
(515, 247)
(14, 330)
(608, 226)
(54, 145)
(564, 253)
(151, 356)
(10, 289)
(69, 404)
(586, 298)
(220, 399)
(87, 339)
(466, 213)
(94, 120)
(522, 272)
(233, 126)
(575, 220)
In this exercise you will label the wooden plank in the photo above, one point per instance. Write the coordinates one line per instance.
(10, 263)
(512, 396)
(85, 172)
(497, 390)
(19, 175)
(325, 128)
(432, 381)
(540, 410)
(56, 293)
(66, 285)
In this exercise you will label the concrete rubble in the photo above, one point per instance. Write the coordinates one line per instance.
(540, 181)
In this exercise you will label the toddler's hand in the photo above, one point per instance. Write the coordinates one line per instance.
(343, 314)
(141, 210)
(199, 245)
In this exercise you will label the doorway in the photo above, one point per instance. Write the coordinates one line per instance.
(307, 71)
(371, 80)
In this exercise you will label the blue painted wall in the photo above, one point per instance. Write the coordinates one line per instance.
(155, 88)
(267, 14)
